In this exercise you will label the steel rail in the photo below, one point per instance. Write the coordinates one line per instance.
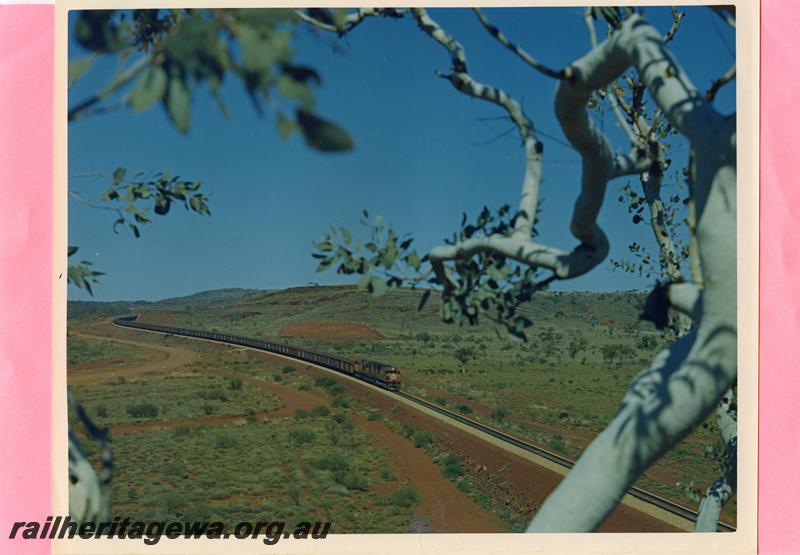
(634, 491)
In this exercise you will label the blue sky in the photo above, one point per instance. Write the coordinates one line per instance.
(418, 158)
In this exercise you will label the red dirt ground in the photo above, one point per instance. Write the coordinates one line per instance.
(327, 330)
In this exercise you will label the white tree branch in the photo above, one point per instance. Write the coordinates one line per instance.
(527, 58)
(351, 20)
(721, 491)
(687, 380)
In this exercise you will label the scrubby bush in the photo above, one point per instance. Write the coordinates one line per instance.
(406, 496)
(422, 438)
(320, 410)
(288, 369)
(499, 413)
(333, 462)
(375, 415)
(300, 414)
(213, 395)
(172, 501)
(355, 481)
(235, 383)
(142, 410)
(466, 409)
(452, 467)
(301, 435)
(225, 442)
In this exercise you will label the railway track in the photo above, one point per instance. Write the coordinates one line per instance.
(636, 492)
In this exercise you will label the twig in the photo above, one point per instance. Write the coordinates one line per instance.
(81, 109)
(676, 22)
(527, 58)
(712, 91)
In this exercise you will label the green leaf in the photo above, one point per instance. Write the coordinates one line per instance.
(135, 230)
(339, 16)
(255, 54)
(119, 175)
(150, 87)
(71, 250)
(413, 260)
(296, 90)
(346, 235)
(322, 134)
(177, 104)
(78, 67)
(286, 126)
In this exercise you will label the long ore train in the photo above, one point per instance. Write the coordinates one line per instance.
(377, 373)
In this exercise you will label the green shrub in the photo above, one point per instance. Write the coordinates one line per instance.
(300, 414)
(213, 395)
(452, 467)
(209, 409)
(355, 481)
(101, 411)
(387, 474)
(405, 496)
(181, 431)
(277, 378)
(301, 436)
(177, 469)
(142, 410)
(172, 501)
(440, 401)
(341, 403)
(422, 438)
(466, 409)
(499, 413)
(225, 442)
(375, 415)
(556, 443)
(288, 369)
(325, 382)
(235, 383)
(334, 462)
(464, 486)
(320, 410)
(304, 387)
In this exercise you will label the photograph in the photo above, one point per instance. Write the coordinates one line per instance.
(403, 271)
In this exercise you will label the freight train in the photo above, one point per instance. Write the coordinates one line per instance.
(377, 373)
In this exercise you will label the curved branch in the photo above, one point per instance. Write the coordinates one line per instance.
(721, 491)
(523, 225)
(351, 20)
(686, 298)
(712, 91)
(124, 78)
(527, 58)
(687, 380)
(676, 22)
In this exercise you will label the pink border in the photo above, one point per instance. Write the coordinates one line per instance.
(26, 183)
(779, 382)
